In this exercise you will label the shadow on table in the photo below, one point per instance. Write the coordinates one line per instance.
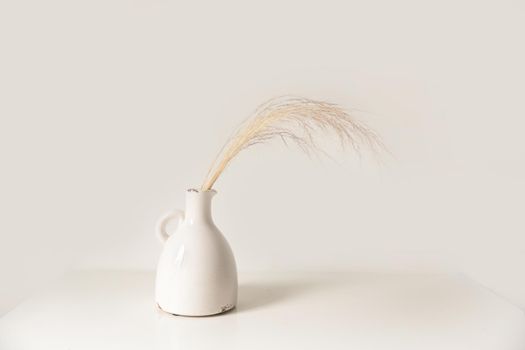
(257, 295)
(420, 295)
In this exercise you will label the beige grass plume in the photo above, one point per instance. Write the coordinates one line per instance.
(296, 120)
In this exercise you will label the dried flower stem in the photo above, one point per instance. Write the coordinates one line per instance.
(294, 119)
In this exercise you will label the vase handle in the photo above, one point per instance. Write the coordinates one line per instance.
(162, 234)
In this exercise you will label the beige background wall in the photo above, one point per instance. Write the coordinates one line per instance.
(110, 109)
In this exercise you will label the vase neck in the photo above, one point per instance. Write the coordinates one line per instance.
(198, 205)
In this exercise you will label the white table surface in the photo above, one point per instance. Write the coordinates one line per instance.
(351, 310)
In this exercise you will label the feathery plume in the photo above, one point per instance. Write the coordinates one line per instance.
(295, 120)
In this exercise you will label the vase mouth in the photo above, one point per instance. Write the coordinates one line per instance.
(196, 190)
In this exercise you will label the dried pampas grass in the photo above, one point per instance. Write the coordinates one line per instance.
(296, 120)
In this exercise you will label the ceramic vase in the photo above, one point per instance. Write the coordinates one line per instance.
(196, 272)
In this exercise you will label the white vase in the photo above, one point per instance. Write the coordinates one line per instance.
(196, 272)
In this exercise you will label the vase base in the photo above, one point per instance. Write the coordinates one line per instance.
(223, 310)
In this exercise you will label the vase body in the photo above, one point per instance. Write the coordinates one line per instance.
(196, 272)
